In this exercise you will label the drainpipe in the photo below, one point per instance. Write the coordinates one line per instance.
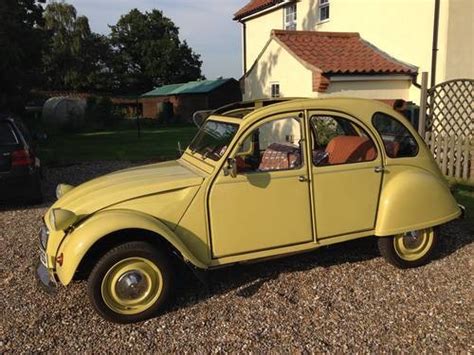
(434, 54)
(244, 45)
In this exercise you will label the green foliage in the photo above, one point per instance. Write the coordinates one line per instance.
(327, 128)
(74, 58)
(101, 113)
(21, 41)
(149, 53)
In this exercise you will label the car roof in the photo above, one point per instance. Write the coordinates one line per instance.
(362, 109)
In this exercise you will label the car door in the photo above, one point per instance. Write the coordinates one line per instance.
(346, 174)
(267, 205)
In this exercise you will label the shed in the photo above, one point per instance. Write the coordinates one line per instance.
(187, 98)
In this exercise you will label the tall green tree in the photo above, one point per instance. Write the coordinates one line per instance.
(21, 43)
(75, 58)
(148, 52)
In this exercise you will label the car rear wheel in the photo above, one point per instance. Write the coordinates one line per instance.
(131, 283)
(410, 249)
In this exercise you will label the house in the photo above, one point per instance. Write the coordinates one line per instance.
(317, 64)
(434, 36)
(181, 101)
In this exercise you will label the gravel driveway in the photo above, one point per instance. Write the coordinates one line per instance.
(340, 298)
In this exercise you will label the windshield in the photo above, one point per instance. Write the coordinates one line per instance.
(213, 139)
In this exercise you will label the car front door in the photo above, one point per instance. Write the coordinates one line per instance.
(267, 204)
(347, 175)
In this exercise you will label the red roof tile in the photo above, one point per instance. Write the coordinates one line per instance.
(340, 53)
(254, 6)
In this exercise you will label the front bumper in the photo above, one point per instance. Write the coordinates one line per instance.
(44, 275)
(45, 278)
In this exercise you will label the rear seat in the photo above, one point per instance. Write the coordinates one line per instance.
(350, 149)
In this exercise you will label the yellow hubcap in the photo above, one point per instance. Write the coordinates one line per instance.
(413, 246)
(132, 286)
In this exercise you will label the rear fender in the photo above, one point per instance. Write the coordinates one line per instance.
(413, 199)
(80, 240)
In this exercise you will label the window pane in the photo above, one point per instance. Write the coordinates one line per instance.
(324, 13)
(275, 90)
(213, 139)
(290, 17)
(7, 136)
(272, 146)
(339, 141)
(397, 139)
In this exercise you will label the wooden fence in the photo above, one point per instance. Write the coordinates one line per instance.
(454, 154)
(446, 122)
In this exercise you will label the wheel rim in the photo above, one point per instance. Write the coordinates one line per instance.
(132, 285)
(414, 245)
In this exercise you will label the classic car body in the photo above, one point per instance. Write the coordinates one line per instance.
(288, 177)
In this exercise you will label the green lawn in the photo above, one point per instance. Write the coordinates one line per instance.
(465, 196)
(154, 143)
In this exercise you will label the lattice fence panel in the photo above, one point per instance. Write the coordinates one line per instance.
(450, 107)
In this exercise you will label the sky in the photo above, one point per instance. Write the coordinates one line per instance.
(206, 25)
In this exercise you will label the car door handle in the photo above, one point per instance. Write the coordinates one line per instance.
(379, 169)
(302, 178)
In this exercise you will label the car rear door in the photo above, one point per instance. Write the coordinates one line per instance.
(347, 174)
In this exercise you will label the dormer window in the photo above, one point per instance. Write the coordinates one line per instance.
(323, 10)
(290, 17)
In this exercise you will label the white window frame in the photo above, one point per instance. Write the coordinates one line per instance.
(275, 91)
(323, 4)
(290, 17)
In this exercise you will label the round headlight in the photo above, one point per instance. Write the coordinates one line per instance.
(62, 219)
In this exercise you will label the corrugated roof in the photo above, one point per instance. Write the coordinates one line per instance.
(192, 87)
(341, 53)
(254, 6)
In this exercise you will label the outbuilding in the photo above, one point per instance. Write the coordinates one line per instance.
(180, 101)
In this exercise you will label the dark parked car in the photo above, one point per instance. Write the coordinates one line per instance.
(20, 169)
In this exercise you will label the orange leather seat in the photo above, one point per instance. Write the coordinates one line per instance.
(350, 149)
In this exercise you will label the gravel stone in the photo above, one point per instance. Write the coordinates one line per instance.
(339, 298)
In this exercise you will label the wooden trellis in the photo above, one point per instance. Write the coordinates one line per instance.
(448, 125)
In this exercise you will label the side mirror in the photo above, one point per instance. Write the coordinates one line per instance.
(231, 168)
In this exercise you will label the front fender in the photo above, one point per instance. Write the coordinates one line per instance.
(413, 199)
(80, 240)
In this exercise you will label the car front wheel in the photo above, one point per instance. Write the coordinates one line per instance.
(131, 283)
(410, 249)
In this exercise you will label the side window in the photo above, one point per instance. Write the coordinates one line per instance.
(338, 141)
(7, 135)
(272, 146)
(397, 139)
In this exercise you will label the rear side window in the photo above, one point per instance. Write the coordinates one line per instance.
(397, 139)
(7, 135)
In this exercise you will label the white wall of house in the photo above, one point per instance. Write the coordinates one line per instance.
(382, 88)
(277, 65)
(258, 31)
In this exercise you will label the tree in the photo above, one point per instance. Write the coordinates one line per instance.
(21, 41)
(75, 58)
(149, 53)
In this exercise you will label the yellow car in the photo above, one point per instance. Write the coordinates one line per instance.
(259, 180)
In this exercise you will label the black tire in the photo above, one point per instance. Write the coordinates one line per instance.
(387, 249)
(120, 253)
